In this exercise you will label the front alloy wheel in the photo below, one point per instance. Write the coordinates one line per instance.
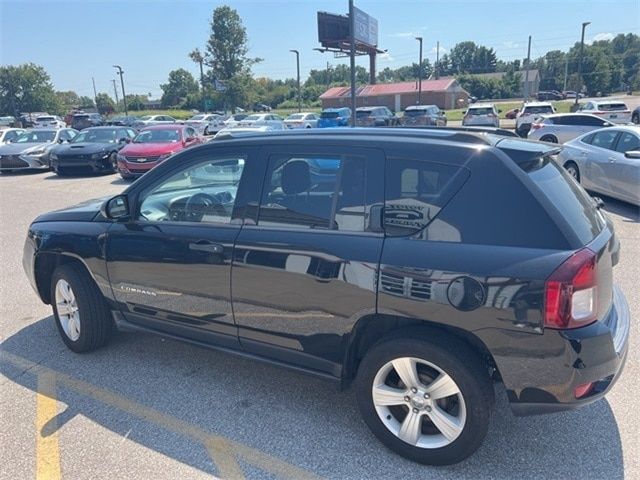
(419, 403)
(67, 308)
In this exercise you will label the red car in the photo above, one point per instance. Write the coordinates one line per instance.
(152, 146)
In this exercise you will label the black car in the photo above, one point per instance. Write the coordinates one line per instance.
(418, 265)
(261, 107)
(549, 95)
(635, 115)
(376, 117)
(80, 121)
(93, 149)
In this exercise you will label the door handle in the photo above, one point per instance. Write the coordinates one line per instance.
(612, 160)
(206, 246)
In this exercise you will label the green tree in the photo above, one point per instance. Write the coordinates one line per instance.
(86, 102)
(105, 103)
(136, 102)
(179, 86)
(68, 99)
(226, 55)
(27, 88)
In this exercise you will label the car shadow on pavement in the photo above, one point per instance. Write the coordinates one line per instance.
(624, 209)
(161, 393)
(79, 175)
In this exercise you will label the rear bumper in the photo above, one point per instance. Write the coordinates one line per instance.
(595, 355)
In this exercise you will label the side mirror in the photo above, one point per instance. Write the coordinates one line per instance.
(124, 140)
(635, 154)
(115, 208)
(60, 140)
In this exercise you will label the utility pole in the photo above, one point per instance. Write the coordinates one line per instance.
(328, 76)
(124, 96)
(115, 90)
(584, 25)
(352, 36)
(298, 70)
(526, 75)
(566, 72)
(437, 59)
(95, 94)
(420, 72)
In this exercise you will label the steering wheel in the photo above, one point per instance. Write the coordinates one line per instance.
(202, 203)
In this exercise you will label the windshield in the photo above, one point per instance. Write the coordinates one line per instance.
(36, 136)
(197, 117)
(80, 117)
(363, 113)
(146, 117)
(96, 136)
(329, 115)
(296, 116)
(252, 118)
(158, 136)
(612, 107)
(415, 112)
(45, 119)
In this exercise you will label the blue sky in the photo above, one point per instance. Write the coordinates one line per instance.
(77, 40)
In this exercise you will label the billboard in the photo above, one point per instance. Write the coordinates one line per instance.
(366, 28)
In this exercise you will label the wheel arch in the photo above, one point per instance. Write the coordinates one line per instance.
(370, 329)
(44, 266)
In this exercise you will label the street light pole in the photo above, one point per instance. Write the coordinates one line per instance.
(124, 96)
(298, 69)
(420, 73)
(352, 63)
(584, 25)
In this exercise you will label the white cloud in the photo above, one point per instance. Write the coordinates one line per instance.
(385, 57)
(601, 36)
(510, 44)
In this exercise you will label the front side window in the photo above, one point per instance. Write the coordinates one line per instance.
(204, 192)
(604, 139)
(628, 143)
(415, 191)
(314, 191)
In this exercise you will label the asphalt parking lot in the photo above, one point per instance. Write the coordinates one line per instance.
(146, 407)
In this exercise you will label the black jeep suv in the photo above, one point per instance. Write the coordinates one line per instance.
(417, 265)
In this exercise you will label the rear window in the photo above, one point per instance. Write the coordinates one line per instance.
(573, 203)
(612, 107)
(480, 111)
(329, 115)
(415, 113)
(539, 109)
(81, 117)
(363, 113)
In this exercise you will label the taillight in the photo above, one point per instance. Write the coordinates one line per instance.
(571, 292)
(535, 126)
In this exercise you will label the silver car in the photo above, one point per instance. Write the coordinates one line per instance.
(606, 161)
(562, 127)
(481, 114)
(31, 149)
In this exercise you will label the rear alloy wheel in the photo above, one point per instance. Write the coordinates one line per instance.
(427, 401)
(549, 138)
(572, 169)
(113, 162)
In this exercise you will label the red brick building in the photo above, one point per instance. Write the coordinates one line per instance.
(446, 93)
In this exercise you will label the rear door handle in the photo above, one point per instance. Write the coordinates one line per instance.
(206, 246)
(612, 160)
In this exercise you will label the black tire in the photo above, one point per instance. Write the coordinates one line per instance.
(636, 119)
(549, 138)
(573, 170)
(459, 362)
(60, 172)
(95, 320)
(113, 162)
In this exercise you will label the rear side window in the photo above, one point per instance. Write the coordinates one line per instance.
(416, 191)
(604, 139)
(317, 192)
(612, 107)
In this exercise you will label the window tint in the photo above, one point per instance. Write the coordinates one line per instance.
(593, 121)
(314, 191)
(588, 139)
(604, 139)
(628, 142)
(203, 192)
(415, 191)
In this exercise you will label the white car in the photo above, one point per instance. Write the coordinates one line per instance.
(258, 119)
(49, 121)
(613, 110)
(528, 113)
(148, 120)
(235, 119)
(562, 127)
(301, 120)
(481, 114)
(232, 132)
(206, 124)
(8, 135)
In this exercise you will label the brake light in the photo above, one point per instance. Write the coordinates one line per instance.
(535, 126)
(571, 292)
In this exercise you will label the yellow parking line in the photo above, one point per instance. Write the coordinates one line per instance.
(47, 448)
(224, 452)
